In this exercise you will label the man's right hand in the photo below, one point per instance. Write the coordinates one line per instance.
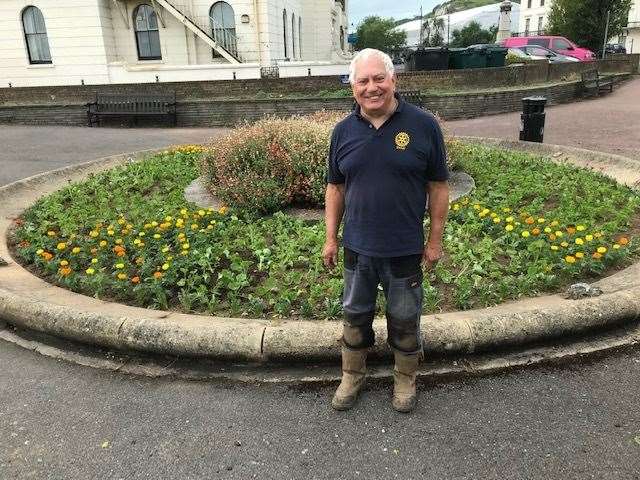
(330, 254)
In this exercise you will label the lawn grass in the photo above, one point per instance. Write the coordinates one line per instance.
(531, 226)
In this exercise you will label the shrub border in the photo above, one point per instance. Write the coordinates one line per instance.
(29, 302)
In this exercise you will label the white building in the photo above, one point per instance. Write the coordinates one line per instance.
(487, 16)
(534, 15)
(69, 42)
(632, 30)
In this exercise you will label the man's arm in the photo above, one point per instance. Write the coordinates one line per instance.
(334, 208)
(438, 209)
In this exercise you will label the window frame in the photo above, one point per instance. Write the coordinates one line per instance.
(136, 32)
(35, 34)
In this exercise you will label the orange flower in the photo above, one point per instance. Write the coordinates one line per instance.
(157, 275)
(623, 240)
(552, 237)
(118, 249)
(535, 231)
(94, 250)
(597, 255)
(47, 256)
(530, 221)
(120, 254)
(64, 271)
(571, 229)
(135, 279)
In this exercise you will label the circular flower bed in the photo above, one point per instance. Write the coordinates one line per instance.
(127, 234)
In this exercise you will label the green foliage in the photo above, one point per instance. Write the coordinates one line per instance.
(128, 234)
(584, 21)
(472, 34)
(379, 33)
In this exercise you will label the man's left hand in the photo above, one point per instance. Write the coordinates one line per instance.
(431, 254)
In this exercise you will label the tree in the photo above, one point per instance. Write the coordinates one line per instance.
(471, 34)
(584, 21)
(432, 32)
(380, 33)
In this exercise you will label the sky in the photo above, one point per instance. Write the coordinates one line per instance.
(359, 9)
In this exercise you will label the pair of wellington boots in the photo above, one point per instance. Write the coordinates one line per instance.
(353, 380)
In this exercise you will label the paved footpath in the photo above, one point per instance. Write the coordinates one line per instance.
(610, 123)
(64, 421)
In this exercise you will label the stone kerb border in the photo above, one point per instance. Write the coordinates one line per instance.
(29, 302)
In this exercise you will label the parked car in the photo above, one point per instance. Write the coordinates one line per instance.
(558, 44)
(614, 48)
(536, 52)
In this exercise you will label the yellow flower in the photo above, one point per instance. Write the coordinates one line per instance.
(76, 250)
(154, 224)
(508, 219)
(202, 213)
(119, 266)
(209, 227)
(61, 246)
(122, 276)
(616, 246)
(602, 250)
(156, 236)
(555, 248)
(195, 226)
(525, 233)
(184, 211)
(63, 263)
(168, 218)
(555, 223)
(564, 244)
(588, 238)
(94, 260)
(496, 220)
(165, 266)
(118, 241)
(165, 249)
(455, 207)
(141, 234)
(137, 241)
(541, 220)
(579, 241)
(110, 232)
(93, 234)
(570, 259)
(559, 233)
(90, 271)
(506, 209)
(181, 235)
(185, 246)
(547, 230)
(580, 228)
(508, 228)
(222, 210)
(121, 221)
(579, 255)
(39, 251)
(51, 233)
(476, 207)
(103, 243)
(493, 215)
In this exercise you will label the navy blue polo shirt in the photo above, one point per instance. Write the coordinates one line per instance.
(385, 173)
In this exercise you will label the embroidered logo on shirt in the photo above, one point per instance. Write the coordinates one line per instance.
(402, 140)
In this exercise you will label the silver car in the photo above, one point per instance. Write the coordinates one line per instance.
(536, 52)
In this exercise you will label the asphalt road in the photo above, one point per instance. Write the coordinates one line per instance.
(64, 421)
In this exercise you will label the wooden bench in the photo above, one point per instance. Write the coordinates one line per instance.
(594, 84)
(132, 107)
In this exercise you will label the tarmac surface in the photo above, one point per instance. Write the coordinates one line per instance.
(64, 421)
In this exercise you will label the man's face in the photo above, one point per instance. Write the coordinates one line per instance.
(373, 87)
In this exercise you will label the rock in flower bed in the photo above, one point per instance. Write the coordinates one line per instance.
(127, 234)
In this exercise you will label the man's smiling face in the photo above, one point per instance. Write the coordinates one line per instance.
(373, 86)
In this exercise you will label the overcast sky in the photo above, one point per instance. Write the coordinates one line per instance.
(358, 9)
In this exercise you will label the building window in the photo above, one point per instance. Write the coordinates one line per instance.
(293, 35)
(35, 34)
(527, 26)
(342, 38)
(542, 3)
(223, 26)
(540, 25)
(147, 34)
(528, 3)
(300, 37)
(284, 33)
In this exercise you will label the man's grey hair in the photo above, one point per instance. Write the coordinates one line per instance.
(366, 54)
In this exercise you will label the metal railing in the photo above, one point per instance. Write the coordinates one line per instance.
(225, 37)
(529, 33)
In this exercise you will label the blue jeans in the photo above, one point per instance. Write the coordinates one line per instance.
(401, 279)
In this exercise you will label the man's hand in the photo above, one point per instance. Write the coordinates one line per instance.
(330, 254)
(431, 254)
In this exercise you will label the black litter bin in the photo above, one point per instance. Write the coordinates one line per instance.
(456, 58)
(532, 119)
(496, 56)
(436, 58)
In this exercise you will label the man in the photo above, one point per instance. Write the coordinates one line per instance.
(384, 159)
